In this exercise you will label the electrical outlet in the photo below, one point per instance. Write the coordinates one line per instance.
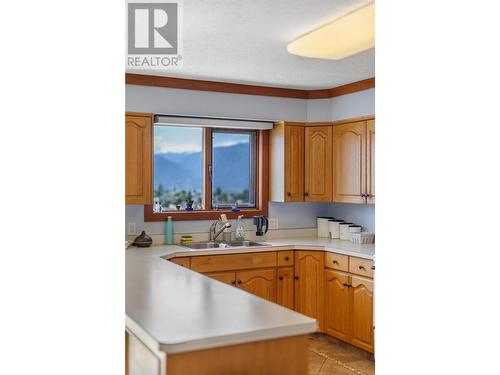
(273, 223)
(132, 228)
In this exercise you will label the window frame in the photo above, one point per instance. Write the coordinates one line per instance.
(261, 185)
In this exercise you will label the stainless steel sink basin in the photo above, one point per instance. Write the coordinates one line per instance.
(223, 245)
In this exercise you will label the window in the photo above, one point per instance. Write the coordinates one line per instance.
(200, 172)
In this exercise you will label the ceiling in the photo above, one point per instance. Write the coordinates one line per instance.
(245, 42)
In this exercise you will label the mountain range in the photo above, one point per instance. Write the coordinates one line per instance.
(184, 170)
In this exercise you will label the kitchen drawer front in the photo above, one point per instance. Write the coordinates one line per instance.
(285, 258)
(361, 266)
(182, 261)
(211, 263)
(337, 261)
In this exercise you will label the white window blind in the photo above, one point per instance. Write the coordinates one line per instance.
(213, 122)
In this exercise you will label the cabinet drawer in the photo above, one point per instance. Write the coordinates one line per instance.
(182, 261)
(285, 258)
(242, 261)
(337, 261)
(361, 266)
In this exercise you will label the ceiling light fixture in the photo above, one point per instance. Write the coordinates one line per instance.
(344, 36)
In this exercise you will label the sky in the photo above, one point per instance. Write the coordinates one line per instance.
(185, 139)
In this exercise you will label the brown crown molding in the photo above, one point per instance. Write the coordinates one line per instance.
(236, 88)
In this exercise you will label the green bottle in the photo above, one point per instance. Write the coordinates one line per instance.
(169, 231)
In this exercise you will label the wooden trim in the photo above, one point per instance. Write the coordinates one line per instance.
(237, 88)
(342, 90)
(337, 122)
(261, 198)
(207, 188)
(195, 84)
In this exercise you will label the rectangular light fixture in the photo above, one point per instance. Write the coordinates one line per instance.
(345, 36)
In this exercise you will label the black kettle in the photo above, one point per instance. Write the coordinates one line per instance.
(260, 222)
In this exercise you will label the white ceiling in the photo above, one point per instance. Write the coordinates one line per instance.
(245, 42)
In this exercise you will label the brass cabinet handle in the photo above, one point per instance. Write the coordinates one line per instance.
(281, 277)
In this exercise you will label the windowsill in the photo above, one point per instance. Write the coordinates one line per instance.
(149, 215)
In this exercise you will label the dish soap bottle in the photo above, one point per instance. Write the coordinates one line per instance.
(240, 231)
(169, 231)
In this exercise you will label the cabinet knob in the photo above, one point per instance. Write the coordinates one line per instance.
(296, 277)
(373, 267)
(335, 262)
(233, 282)
(289, 194)
(239, 281)
(306, 194)
(361, 267)
(287, 258)
(281, 277)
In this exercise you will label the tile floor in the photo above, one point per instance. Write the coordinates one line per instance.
(328, 355)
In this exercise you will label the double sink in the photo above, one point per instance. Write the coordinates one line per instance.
(223, 245)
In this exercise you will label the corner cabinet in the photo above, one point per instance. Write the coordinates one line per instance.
(318, 163)
(354, 162)
(138, 158)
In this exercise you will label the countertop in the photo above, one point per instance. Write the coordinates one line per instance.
(173, 309)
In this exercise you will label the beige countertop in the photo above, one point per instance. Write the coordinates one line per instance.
(173, 309)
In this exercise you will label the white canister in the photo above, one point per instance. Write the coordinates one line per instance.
(334, 227)
(323, 230)
(354, 229)
(344, 231)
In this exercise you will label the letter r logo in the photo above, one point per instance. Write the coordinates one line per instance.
(152, 28)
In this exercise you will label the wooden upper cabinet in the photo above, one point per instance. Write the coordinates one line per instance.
(370, 163)
(362, 313)
(337, 303)
(285, 287)
(350, 159)
(309, 284)
(262, 282)
(318, 163)
(294, 163)
(138, 158)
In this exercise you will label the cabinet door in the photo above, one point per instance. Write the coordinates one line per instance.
(225, 277)
(138, 159)
(285, 288)
(262, 283)
(370, 162)
(350, 172)
(294, 163)
(318, 164)
(337, 317)
(362, 313)
(309, 284)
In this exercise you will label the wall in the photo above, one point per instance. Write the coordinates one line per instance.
(290, 215)
(361, 214)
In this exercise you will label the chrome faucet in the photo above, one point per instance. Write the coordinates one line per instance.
(214, 232)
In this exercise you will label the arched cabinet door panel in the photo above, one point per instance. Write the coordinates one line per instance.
(318, 163)
(337, 314)
(261, 282)
(362, 313)
(350, 159)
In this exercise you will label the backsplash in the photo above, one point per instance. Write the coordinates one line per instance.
(289, 215)
(361, 214)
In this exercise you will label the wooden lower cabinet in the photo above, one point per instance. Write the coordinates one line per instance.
(362, 313)
(225, 277)
(285, 287)
(261, 282)
(309, 284)
(337, 317)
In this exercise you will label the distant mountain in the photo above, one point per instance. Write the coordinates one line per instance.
(183, 170)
